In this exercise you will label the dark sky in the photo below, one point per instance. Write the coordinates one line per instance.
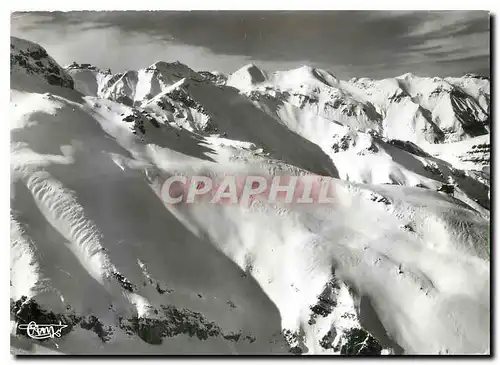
(372, 43)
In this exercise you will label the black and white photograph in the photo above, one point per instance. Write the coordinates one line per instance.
(250, 182)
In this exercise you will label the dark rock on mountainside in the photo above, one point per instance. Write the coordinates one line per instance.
(34, 60)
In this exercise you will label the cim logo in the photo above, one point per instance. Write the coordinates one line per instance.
(42, 331)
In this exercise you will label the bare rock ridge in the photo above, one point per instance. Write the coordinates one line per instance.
(30, 58)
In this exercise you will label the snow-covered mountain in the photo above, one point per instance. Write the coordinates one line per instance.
(397, 263)
(431, 109)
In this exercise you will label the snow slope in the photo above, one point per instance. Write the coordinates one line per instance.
(387, 267)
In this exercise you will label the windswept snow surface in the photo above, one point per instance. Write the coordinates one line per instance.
(391, 266)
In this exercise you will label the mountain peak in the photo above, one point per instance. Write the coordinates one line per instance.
(476, 76)
(162, 65)
(407, 76)
(246, 77)
(86, 66)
